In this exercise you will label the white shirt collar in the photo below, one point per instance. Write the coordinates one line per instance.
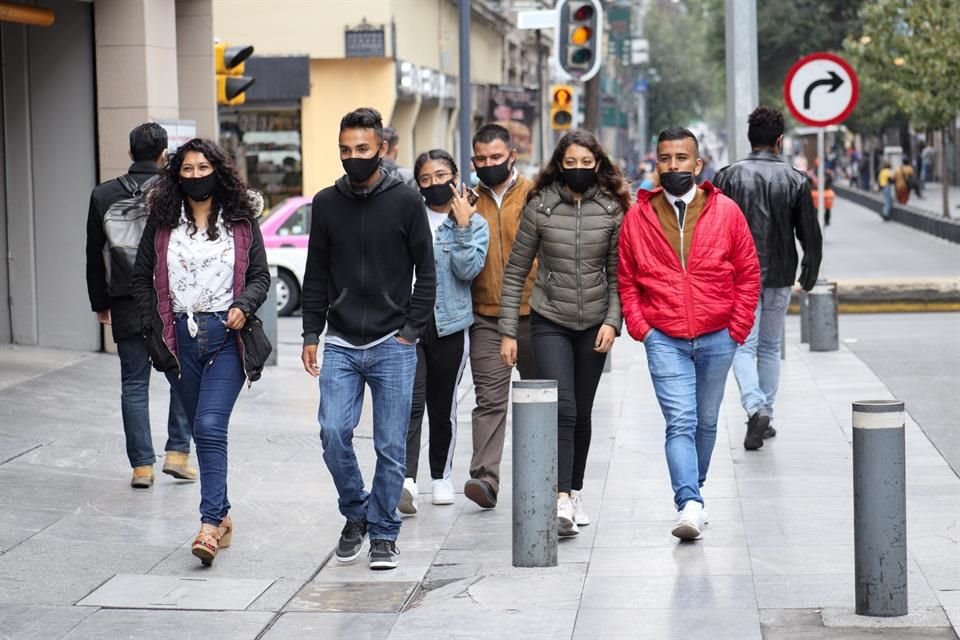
(687, 197)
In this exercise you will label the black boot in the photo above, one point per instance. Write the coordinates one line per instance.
(757, 426)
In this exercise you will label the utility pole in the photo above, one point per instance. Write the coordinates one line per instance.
(591, 96)
(742, 83)
(466, 95)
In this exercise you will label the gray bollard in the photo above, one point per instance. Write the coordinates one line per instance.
(804, 317)
(822, 302)
(268, 314)
(535, 473)
(608, 362)
(879, 508)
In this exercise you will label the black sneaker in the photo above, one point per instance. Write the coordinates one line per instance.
(757, 426)
(480, 492)
(770, 432)
(383, 554)
(351, 540)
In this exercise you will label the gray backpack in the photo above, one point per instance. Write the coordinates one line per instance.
(123, 224)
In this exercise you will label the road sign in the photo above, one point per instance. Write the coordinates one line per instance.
(821, 89)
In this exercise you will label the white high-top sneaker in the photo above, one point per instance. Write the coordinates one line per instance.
(580, 516)
(565, 514)
(408, 497)
(442, 491)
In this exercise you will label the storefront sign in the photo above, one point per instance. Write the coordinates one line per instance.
(516, 109)
(365, 41)
(178, 132)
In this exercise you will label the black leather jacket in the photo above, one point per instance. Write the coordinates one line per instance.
(776, 200)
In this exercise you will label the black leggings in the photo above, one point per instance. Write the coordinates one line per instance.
(567, 356)
(440, 364)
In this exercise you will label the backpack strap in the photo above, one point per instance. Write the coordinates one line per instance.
(130, 185)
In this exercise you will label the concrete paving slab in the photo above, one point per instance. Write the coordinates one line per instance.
(25, 622)
(679, 559)
(353, 597)
(164, 625)
(806, 624)
(342, 626)
(669, 592)
(667, 624)
(916, 618)
(171, 592)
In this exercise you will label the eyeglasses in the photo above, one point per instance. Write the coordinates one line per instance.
(439, 177)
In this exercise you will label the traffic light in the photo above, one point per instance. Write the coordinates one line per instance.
(231, 83)
(579, 35)
(561, 107)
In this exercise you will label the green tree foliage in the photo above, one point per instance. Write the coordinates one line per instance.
(909, 52)
(688, 85)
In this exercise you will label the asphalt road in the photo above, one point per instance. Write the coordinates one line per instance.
(917, 355)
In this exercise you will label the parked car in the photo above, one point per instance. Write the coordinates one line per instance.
(286, 230)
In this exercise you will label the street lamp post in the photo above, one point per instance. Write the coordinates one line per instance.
(742, 83)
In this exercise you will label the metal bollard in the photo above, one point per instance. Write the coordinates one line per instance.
(879, 508)
(822, 302)
(535, 473)
(804, 317)
(268, 314)
(608, 362)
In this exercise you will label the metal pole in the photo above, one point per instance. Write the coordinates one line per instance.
(822, 302)
(541, 93)
(804, 317)
(268, 315)
(821, 187)
(466, 96)
(879, 508)
(742, 84)
(535, 473)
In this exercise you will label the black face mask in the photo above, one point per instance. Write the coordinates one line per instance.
(438, 194)
(199, 189)
(677, 183)
(496, 174)
(579, 180)
(360, 169)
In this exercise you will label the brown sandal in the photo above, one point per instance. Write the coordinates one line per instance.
(226, 532)
(207, 543)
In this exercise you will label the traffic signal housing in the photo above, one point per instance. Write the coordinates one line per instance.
(579, 34)
(231, 83)
(561, 107)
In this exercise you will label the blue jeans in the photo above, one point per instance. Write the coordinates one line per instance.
(211, 376)
(757, 361)
(135, 370)
(688, 378)
(389, 368)
(887, 200)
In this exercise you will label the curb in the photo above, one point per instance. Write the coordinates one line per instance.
(902, 295)
(920, 219)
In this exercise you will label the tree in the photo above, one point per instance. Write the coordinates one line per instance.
(910, 50)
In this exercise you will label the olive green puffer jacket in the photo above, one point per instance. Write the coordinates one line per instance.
(576, 243)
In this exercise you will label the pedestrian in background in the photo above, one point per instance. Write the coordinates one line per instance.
(885, 182)
(689, 284)
(201, 273)
(503, 193)
(828, 197)
(779, 206)
(903, 180)
(368, 237)
(115, 222)
(461, 238)
(570, 226)
(389, 162)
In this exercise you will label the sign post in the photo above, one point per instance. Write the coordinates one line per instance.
(821, 89)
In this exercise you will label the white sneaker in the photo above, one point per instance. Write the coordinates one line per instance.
(442, 491)
(690, 522)
(408, 497)
(565, 514)
(580, 516)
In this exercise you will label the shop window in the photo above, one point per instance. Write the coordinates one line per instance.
(266, 147)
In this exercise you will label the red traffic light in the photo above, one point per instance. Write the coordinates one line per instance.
(583, 13)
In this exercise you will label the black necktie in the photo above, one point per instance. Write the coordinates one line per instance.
(681, 209)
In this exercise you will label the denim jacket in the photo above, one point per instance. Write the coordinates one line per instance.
(460, 253)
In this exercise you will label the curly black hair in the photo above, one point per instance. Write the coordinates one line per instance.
(609, 178)
(231, 198)
(764, 126)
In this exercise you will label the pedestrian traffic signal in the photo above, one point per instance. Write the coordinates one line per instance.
(561, 107)
(579, 32)
(231, 83)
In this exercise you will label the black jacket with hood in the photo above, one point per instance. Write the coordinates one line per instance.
(776, 200)
(363, 250)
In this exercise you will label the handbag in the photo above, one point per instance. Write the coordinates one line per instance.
(256, 348)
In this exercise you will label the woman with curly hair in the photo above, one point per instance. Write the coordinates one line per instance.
(570, 224)
(201, 272)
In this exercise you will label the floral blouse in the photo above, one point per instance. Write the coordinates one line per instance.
(200, 270)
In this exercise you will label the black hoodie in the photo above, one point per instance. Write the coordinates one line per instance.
(364, 247)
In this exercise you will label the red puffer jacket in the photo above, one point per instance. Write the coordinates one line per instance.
(718, 289)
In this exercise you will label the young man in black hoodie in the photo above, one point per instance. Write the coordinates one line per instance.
(112, 240)
(368, 236)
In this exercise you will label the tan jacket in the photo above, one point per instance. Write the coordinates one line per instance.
(671, 226)
(504, 223)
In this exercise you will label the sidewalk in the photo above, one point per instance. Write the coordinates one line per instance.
(84, 556)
